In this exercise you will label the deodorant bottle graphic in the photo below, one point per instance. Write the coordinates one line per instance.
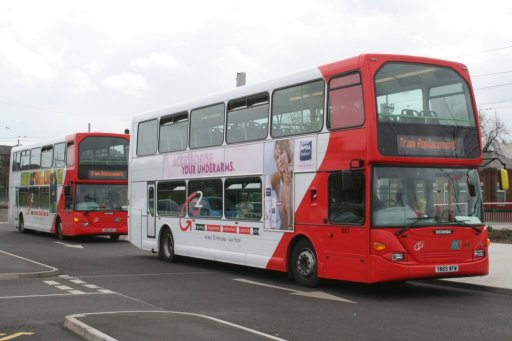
(268, 203)
(274, 213)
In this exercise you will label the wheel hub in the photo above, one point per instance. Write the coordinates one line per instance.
(306, 263)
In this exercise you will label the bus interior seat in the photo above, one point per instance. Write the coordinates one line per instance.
(236, 133)
(254, 131)
(409, 116)
(430, 116)
(216, 136)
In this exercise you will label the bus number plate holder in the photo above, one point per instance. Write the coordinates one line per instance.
(109, 230)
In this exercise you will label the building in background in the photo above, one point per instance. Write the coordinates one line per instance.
(5, 156)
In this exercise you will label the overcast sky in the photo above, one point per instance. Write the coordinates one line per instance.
(64, 64)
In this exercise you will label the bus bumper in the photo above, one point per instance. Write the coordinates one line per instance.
(383, 270)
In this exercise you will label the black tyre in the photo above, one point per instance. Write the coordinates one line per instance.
(166, 246)
(114, 237)
(304, 264)
(58, 231)
(22, 225)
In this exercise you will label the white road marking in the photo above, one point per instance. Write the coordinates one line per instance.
(77, 281)
(63, 287)
(91, 286)
(77, 292)
(106, 291)
(76, 246)
(52, 282)
(322, 295)
(73, 323)
(52, 270)
(48, 295)
(314, 294)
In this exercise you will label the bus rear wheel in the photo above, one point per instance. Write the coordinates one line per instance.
(304, 264)
(166, 246)
(114, 237)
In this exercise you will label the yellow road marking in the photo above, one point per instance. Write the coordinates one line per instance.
(13, 336)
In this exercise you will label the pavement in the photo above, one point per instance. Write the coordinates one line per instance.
(187, 326)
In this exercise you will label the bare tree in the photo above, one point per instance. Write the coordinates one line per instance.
(494, 131)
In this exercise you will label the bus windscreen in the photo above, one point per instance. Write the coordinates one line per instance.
(424, 111)
(103, 158)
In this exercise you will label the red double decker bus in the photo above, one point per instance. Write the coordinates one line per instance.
(71, 186)
(362, 170)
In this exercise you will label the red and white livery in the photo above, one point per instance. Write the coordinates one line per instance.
(361, 170)
(71, 186)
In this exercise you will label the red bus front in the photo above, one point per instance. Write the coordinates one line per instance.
(426, 212)
(94, 199)
(397, 195)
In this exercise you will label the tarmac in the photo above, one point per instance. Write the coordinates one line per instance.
(187, 326)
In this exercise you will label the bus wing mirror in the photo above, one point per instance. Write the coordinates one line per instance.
(67, 191)
(504, 180)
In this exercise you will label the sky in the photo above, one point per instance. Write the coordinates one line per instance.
(67, 64)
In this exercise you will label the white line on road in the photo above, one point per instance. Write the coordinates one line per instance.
(51, 282)
(76, 246)
(50, 295)
(312, 294)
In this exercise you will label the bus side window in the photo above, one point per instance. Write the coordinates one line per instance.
(16, 162)
(47, 156)
(207, 126)
(70, 155)
(171, 197)
(35, 158)
(247, 118)
(242, 199)
(208, 201)
(298, 109)
(345, 102)
(346, 197)
(25, 160)
(147, 133)
(59, 155)
(173, 133)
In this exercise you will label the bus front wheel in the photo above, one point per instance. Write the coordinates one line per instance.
(166, 247)
(58, 231)
(304, 264)
(22, 224)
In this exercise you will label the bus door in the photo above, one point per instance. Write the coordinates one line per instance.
(151, 212)
(346, 242)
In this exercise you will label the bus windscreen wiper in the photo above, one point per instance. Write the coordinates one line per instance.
(463, 223)
(414, 222)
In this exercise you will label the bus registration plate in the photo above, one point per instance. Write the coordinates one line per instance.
(447, 268)
(109, 230)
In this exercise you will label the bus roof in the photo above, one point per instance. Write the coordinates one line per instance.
(323, 71)
(63, 138)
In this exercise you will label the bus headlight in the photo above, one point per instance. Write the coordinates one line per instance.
(479, 253)
(398, 257)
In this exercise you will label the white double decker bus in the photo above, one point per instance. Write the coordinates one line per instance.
(361, 170)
